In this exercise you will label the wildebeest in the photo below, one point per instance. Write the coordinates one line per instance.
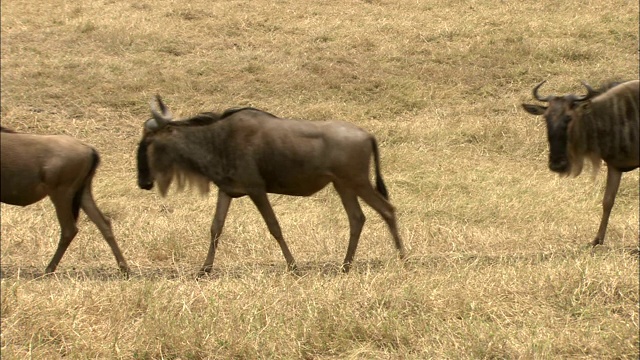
(600, 126)
(58, 166)
(250, 152)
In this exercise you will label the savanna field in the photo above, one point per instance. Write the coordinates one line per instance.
(499, 265)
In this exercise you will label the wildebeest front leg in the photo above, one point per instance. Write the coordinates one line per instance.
(222, 208)
(262, 203)
(68, 228)
(611, 189)
(356, 222)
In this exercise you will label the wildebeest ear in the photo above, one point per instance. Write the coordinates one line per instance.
(534, 109)
(160, 112)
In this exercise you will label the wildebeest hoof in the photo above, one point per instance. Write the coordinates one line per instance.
(293, 268)
(203, 273)
(125, 271)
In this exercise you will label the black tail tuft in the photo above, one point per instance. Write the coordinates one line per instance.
(382, 189)
(77, 201)
(77, 198)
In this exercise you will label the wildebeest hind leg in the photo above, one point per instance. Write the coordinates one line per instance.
(262, 203)
(222, 207)
(386, 210)
(356, 222)
(68, 228)
(611, 189)
(104, 225)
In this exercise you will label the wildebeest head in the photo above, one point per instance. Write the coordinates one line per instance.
(161, 116)
(559, 116)
(158, 160)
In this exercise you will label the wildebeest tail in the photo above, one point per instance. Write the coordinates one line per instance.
(77, 197)
(382, 189)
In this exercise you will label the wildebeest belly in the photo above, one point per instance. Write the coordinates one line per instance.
(284, 183)
(624, 164)
(627, 169)
(20, 189)
(296, 184)
(295, 170)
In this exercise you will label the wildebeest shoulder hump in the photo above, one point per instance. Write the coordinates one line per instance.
(202, 119)
(609, 85)
(232, 111)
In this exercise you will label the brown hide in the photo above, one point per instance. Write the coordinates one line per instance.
(600, 126)
(35, 165)
(607, 127)
(61, 167)
(281, 156)
(250, 152)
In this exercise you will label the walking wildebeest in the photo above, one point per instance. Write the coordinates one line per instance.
(58, 166)
(250, 152)
(601, 126)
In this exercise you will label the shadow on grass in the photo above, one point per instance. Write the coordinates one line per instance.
(186, 272)
(35, 273)
(312, 268)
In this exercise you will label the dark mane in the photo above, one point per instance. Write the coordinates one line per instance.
(5, 130)
(608, 86)
(232, 111)
(208, 118)
(202, 119)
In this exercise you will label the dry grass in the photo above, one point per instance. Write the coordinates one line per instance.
(499, 266)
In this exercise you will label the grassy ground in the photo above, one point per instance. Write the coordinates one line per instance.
(499, 265)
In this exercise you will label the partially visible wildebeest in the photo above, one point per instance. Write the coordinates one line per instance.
(250, 152)
(600, 126)
(58, 166)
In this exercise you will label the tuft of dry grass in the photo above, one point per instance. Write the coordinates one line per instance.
(499, 263)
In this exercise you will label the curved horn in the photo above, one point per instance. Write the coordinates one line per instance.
(535, 93)
(590, 92)
(160, 112)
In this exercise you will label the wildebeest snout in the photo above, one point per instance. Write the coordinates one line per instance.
(559, 165)
(146, 185)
